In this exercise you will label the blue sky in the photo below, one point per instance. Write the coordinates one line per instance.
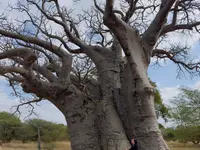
(164, 76)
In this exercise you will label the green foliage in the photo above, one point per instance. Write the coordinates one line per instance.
(9, 127)
(186, 108)
(188, 134)
(169, 134)
(161, 109)
(27, 133)
(186, 115)
(48, 131)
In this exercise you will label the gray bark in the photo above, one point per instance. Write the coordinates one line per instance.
(117, 107)
(138, 94)
(80, 113)
(141, 122)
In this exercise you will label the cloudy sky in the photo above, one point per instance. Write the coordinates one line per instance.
(164, 76)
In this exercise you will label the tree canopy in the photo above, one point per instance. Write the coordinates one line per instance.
(186, 107)
(185, 113)
(9, 126)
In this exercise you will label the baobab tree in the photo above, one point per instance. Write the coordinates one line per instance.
(92, 65)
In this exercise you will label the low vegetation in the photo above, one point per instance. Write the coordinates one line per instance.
(15, 145)
(11, 128)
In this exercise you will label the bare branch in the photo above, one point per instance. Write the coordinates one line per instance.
(183, 19)
(171, 28)
(160, 53)
(63, 23)
(130, 12)
(29, 103)
(98, 7)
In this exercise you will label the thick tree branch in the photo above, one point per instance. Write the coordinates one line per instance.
(17, 52)
(131, 10)
(152, 33)
(24, 53)
(33, 40)
(39, 69)
(116, 47)
(127, 36)
(37, 48)
(32, 84)
(10, 69)
(171, 28)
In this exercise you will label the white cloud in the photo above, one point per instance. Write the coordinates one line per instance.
(167, 93)
(197, 85)
(160, 62)
(2, 78)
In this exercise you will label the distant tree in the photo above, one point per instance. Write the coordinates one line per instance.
(9, 126)
(27, 133)
(49, 131)
(186, 108)
(160, 108)
(188, 134)
(185, 113)
(168, 134)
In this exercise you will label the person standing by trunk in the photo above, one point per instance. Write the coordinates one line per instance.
(133, 145)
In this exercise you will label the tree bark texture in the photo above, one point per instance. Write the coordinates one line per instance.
(118, 108)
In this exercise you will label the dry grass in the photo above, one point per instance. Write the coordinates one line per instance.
(33, 146)
(66, 146)
(180, 146)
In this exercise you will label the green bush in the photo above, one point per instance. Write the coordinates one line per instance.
(9, 127)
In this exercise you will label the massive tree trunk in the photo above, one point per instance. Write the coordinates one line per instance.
(141, 122)
(117, 108)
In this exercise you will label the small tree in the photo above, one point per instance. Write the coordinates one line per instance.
(188, 134)
(186, 108)
(9, 127)
(48, 131)
(160, 108)
(169, 134)
(27, 133)
(186, 114)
